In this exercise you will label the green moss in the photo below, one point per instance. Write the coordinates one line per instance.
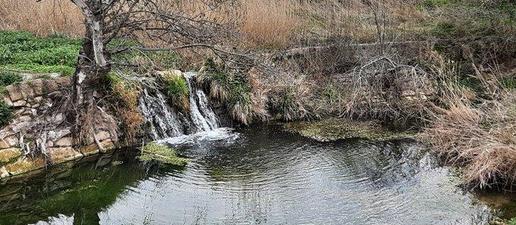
(161, 153)
(334, 129)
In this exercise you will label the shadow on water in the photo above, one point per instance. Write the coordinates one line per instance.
(79, 193)
(262, 176)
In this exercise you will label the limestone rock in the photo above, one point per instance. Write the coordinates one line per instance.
(11, 140)
(3, 172)
(4, 144)
(64, 142)
(25, 165)
(14, 93)
(20, 103)
(9, 155)
(26, 91)
(37, 86)
(7, 100)
(89, 150)
(108, 146)
(103, 135)
(61, 155)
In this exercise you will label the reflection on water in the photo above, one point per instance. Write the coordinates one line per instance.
(263, 177)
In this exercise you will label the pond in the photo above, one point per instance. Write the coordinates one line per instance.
(259, 175)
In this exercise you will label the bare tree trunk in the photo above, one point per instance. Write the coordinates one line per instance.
(92, 66)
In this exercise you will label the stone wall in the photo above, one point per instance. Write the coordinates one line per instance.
(39, 127)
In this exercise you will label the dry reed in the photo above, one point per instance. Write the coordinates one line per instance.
(261, 23)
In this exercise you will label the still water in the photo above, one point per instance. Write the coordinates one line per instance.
(252, 176)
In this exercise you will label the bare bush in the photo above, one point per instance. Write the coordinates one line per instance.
(389, 91)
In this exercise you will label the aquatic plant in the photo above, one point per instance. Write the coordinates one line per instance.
(161, 153)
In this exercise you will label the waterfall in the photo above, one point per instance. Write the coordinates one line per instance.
(202, 116)
(163, 121)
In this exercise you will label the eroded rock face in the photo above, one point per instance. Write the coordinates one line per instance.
(37, 128)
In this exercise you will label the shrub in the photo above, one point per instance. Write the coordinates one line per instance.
(7, 78)
(286, 104)
(5, 113)
(232, 89)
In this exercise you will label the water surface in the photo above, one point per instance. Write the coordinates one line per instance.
(261, 176)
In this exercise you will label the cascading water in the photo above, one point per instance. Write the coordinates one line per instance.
(161, 119)
(165, 122)
(202, 116)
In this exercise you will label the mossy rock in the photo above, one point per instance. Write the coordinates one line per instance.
(162, 153)
(9, 155)
(334, 129)
(25, 166)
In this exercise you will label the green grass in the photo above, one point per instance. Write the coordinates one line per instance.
(25, 52)
(177, 90)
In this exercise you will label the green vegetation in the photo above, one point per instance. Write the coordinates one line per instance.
(82, 192)
(24, 52)
(162, 153)
(7, 78)
(5, 113)
(232, 89)
(125, 95)
(466, 19)
(431, 4)
(177, 90)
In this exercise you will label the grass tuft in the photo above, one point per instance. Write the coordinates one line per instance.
(177, 90)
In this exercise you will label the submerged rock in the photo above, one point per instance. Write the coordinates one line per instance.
(334, 129)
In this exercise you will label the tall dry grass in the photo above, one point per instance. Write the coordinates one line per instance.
(476, 133)
(261, 23)
(43, 18)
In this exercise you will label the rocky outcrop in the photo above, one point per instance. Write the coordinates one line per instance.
(40, 135)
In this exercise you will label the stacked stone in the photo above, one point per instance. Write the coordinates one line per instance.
(30, 101)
